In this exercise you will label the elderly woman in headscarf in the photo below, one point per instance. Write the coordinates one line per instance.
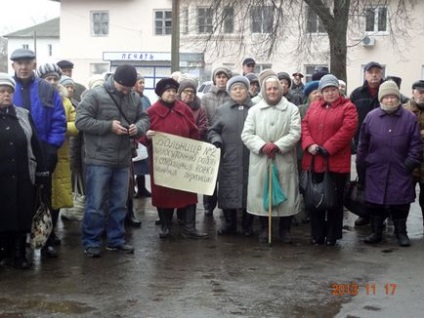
(389, 149)
(22, 167)
(171, 116)
(225, 133)
(271, 131)
(61, 178)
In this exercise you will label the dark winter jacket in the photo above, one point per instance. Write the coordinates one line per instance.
(389, 148)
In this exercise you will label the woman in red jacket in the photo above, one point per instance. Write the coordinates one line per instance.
(171, 116)
(327, 130)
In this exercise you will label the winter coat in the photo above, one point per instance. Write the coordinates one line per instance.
(296, 91)
(234, 166)
(364, 103)
(388, 143)
(200, 118)
(94, 118)
(214, 98)
(419, 113)
(61, 178)
(279, 124)
(333, 128)
(21, 157)
(178, 121)
(46, 108)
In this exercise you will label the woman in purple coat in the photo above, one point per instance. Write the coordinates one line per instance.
(389, 149)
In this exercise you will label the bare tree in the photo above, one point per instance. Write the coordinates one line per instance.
(287, 24)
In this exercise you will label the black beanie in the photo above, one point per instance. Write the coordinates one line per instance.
(164, 84)
(284, 75)
(125, 75)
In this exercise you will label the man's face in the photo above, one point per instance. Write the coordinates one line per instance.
(297, 79)
(418, 96)
(67, 71)
(221, 80)
(123, 89)
(373, 76)
(52, 80)
(24, 68)
(249, 68)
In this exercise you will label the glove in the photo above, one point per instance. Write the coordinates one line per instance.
(217, 144)
(270, 149)
(323, 152)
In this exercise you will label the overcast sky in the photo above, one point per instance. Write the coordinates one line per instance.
(20, 14)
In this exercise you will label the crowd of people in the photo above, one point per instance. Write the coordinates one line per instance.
(52, 129)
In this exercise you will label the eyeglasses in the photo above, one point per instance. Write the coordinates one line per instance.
(188, 91)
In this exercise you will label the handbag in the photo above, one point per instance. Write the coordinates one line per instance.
(76, 213)
(354, 198)
(41, 226)
(320, 191)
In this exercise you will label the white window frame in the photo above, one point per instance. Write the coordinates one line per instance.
(206, 27)
(184, 20)
(165, 22)
(228, 22)
(260, 23)
(377, 14)
(102, 29)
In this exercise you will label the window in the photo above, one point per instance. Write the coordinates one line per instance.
(25, 46)
(50, 49)
(260, 67)
(310, 69)
(376, 19)
(313, 22)
(99, 23)
(228, 19)
(163, 22)
(204, 20)
(262, 19)
(184, 20)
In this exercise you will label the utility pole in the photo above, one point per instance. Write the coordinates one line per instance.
(175, 44)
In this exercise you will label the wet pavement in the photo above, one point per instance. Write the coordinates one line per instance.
(230, 276)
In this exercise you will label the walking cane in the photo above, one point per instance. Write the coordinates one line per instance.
(270, 202)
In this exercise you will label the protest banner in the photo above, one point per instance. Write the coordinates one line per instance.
(185, 164)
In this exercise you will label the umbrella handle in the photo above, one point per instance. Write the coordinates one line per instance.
(269, 202)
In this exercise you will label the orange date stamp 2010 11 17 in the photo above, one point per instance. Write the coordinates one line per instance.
(354, 289)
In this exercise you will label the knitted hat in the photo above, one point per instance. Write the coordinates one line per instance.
(65, 64)
(239, 79)
(310, 87)
(66, 81)
(284, 75)
(222, 69)
(388, 88)
(264, 74)
(22, 54)
(164, 84)
(125, 75)
(7, 80)
(187, 83)
(327, 81)
(49, 69)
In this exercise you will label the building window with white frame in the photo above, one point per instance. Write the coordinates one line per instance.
(204, 20)
(313, 22)
(184, 20)
(99, 68)
(99, 23)
(228, 16)
(262, 18)
(376, 19)
(163, 22)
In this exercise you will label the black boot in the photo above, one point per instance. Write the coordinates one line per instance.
(247, 223)
(230, 222)
(284, 229)
(142, 192)
(130, 218)
(165, 216)
(189, 230)
(19, 254)
(377, 230)
(263, 234)
(400, 231)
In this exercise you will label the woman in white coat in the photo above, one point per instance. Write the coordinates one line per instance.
(271, 132)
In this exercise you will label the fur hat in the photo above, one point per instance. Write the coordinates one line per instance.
(125, 75)
(164, 84)
(264, 74)
(388, 88)
(310, 87)
(284, 75)
(188, 83)
(49, 69)
(221, 69)
(239, 79)
(66, 81)
(327, 81)
(7, 80)
(65, 64)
